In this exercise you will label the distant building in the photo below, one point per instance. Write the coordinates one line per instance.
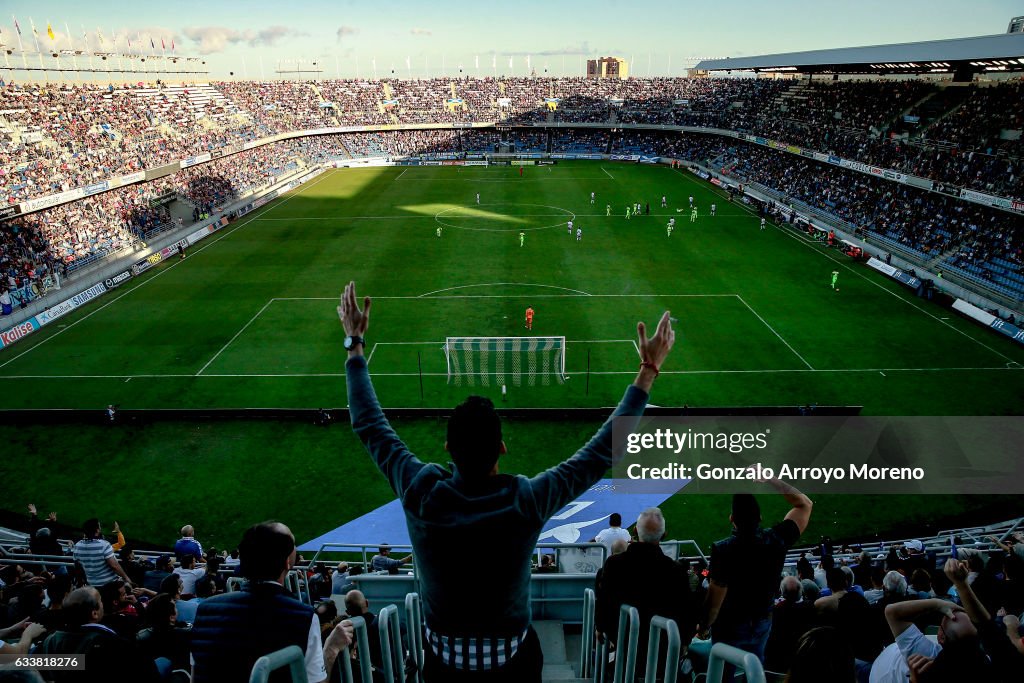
(607, 67)
(1016, 25)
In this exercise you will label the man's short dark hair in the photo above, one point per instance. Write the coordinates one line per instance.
(159, 610)
(171, 584)
(837, 580)
(58, 586)
(90, 527)
(746, 513)
(110, 593)
(206, 587)
(615, 519)
(474, 437)
(264, 551)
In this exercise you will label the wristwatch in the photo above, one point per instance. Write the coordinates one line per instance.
(350, 342)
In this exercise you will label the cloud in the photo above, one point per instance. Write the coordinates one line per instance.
(270, 36)
(346, 31)
(212, 39)
(421, 32)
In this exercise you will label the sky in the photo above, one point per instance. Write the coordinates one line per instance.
(349, 38)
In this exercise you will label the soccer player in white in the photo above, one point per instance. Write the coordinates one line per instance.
(762, 224)
(570, 228)
(712, 209)
(477, 197)
(664, 203)
(591, 197)
(691, 201)
(579, 234)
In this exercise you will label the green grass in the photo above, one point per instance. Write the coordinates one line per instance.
(248, 320)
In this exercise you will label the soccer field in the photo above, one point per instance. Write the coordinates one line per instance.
(248, 320)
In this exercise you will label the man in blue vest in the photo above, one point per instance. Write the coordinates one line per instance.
(478, 623)
(233, 630)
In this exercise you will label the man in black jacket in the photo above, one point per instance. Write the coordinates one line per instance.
(645, 578)
(235, 629)
(108, 657)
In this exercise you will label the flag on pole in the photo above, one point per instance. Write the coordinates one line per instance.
(494, 61)
(162, 46)
(99, 36)
(18, 28)
(152, 45)
(477, 59)
(172, 44)
(49, 31)
(408, 63)
(510, 61)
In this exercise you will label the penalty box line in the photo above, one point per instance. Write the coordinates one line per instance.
(581, 295)
(495, 296)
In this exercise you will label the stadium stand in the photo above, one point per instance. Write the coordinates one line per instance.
(59, 138)
(978, 568)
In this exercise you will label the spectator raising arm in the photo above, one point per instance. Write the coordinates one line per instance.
(902, 615)
(800, 513)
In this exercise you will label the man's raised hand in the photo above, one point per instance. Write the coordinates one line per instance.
(354, 321)
(655, 349)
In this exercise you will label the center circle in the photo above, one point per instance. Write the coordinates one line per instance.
(467, 220)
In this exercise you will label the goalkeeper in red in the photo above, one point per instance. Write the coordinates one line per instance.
(529, 317)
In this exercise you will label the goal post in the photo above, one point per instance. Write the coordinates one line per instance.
(505, 360)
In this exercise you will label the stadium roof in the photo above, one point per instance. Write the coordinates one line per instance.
(998, 53)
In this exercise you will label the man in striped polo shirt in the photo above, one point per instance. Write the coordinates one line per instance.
(97, 557)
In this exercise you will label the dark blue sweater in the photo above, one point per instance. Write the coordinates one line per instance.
(451, 521)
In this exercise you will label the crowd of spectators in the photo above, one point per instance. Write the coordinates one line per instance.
(57, 138)
(37, 248)
(61, 137)
(142, 619)
(68, 136)
(166, 613)
(930, 223)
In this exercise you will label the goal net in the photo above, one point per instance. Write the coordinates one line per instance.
(505, 360)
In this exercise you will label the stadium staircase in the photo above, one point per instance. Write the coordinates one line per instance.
(940, 105)
(209, 103)
(554, 642)
(797, 91)
(921, 103)
(389, 94)
(321, 99)
(10, 130)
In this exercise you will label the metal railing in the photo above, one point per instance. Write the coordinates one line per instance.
(629, 633)
(587, 642)
(354, 547)
(672, 649)
(721, 654)
(291, 657)
(414, 629)
(392, 653)
(359, 634)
